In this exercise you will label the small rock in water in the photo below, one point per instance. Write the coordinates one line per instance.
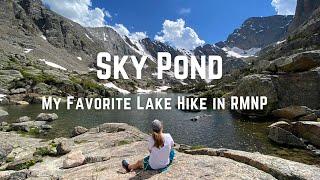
(47, 117)
(73, 159)
(196, 118)
(23, 119)
(78, 130)
(22, 103)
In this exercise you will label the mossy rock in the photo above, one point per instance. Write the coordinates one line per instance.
(23, 164)
(49, 150)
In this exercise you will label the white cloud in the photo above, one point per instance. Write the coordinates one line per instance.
(123, 31)
(80, 11)
(138, 35)
(284, 7)
(176, 34)
(183, 11)
(107, 14)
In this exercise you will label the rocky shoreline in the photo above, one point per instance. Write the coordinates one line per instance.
(96, 153)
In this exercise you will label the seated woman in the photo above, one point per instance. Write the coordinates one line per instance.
(160, 146)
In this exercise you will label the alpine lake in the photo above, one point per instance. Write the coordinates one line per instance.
(215, 128)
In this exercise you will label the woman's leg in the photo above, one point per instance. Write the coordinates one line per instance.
(137, 165)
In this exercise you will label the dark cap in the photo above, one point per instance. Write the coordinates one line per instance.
(156, 125)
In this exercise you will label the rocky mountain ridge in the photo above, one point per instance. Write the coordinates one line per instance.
(258, 32)
(286, 72)
(44, 40)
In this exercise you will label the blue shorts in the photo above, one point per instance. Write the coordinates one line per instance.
(146, 165)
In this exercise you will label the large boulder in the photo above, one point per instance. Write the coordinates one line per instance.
(258, 85)
(47, 117)
(282, 90)
(284, 137)
(308, 130)
(297, 62)
(299, 89)
(63, 147)
(78, 130)
(73, 159)
(291, 112)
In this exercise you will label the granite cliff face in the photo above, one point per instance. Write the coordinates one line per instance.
(258, 32)
(304, 9)
(290, 67)
(303, 34)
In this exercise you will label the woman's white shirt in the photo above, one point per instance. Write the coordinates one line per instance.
(159, 157)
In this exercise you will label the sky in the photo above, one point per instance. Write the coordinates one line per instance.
(181, 23)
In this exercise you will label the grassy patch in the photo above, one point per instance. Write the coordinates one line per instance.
(197, 147)
(43, 151)
(49, 150)
(87, 83)
(34, 131)
(9, 159)
(53, 145)
(27, 164)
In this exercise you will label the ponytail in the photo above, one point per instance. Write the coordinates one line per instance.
(158, 139)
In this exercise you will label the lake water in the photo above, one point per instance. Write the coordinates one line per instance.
(218, 129)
